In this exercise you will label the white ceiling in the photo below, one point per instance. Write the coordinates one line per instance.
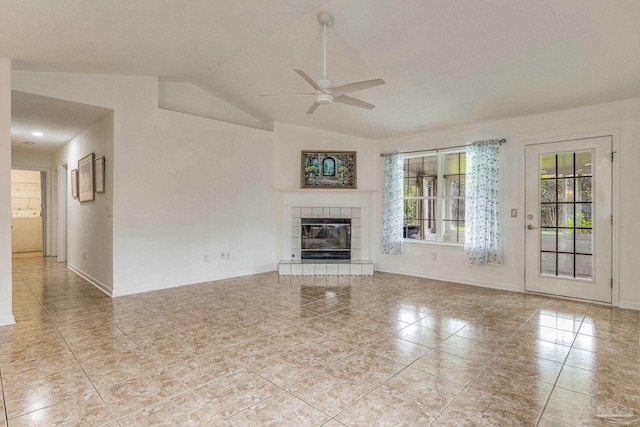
(58, 120)
(445, 62)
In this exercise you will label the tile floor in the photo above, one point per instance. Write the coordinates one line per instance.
(355, 351)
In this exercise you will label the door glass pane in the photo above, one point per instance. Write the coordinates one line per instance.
(583, 211)
(548, 239)
(565, 265)
(548, 166)
(565, 240)
(548, 263)
(583, 163)
(584, 267)
(566, 237)
(548, 215)
(584, 242)
(583, 189)
(565, 190)
(565, 165)
(548, 190)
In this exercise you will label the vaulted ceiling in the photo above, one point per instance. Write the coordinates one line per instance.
(445, 63)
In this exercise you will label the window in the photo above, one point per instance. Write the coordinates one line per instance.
(434, 197)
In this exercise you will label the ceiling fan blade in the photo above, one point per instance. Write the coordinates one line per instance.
(354, 87)
(308, 79)
(344, 99)
(313, 108)
(289, 94)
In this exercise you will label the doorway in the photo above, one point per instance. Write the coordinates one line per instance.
(568, 221)
(28, 226)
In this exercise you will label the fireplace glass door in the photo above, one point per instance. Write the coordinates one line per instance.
(326, 238)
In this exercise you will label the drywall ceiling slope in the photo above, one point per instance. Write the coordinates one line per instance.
(57, 119)
(445, 63)
(185, 97)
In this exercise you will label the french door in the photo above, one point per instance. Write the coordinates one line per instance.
(568, 218)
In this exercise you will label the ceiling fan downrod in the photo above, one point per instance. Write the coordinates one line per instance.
(325, 19)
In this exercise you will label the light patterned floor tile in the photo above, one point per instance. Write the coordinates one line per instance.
(382, 409)
(282, 409)
(140, 392)
(88, 411)
(182, 410)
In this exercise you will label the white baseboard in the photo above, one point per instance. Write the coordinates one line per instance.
(7, 320)
(629, 304)
(158, 287)
(481, 283)
(95, 282)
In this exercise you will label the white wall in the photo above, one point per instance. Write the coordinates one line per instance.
(90, 225)
(622, 115)
(6, 316)
(184, 186)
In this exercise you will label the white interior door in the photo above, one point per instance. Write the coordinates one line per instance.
(568, 218)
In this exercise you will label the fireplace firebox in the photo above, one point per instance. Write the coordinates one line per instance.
(326, 238)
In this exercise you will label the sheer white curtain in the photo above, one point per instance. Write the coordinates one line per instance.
(482, 239)
(392, 209)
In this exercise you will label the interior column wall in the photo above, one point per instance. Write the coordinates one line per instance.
(6, 315)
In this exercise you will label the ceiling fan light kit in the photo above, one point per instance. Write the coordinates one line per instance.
(325, 93)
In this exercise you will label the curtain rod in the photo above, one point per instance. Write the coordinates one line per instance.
(501, 141)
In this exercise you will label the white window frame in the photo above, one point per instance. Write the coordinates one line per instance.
(440, 198)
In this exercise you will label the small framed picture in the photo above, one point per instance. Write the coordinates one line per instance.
(85, 179)
(328, 169)
(99, 171)
(74, 183)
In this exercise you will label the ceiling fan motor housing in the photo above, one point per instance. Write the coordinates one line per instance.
(324, 98)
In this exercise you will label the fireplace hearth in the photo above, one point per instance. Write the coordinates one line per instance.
(325, 238)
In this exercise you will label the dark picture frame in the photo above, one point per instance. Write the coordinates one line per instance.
(74, 184)
(86, 183)
(99, 174)
(329, 169)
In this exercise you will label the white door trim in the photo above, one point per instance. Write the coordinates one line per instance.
(615, 206)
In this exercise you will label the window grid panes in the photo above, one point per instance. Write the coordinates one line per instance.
(434, 200)
(565, 215)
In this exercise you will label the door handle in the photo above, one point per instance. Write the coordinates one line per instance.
(531, 227)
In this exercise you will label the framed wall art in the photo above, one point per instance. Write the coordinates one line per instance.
(329, 169)
(85, 179)
(74, 183)
(99, 172)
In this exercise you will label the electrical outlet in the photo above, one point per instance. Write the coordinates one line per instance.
(221, 255)
(434, 256)
(228, 255)
(205, 258)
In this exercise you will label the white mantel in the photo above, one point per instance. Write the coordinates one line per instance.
(326, 198)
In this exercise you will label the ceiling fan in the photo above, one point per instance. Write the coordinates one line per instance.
(325, 93)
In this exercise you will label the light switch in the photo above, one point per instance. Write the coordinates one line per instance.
(514, 213)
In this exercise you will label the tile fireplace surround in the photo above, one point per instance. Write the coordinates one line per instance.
(353, 204)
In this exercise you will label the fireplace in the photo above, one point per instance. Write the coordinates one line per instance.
(325, 238)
